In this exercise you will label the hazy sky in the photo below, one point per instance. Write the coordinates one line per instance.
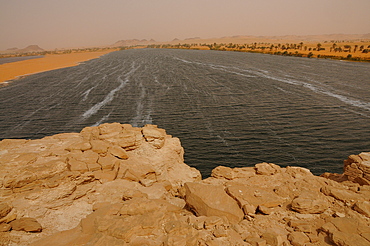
(71, 23)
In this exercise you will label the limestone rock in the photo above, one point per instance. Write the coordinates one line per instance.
(5, 227)
(309, 203)
(343, 238)
(81, 145)
(99, 146)
(26, 224)
(20, 180)
(266, 168)
(298, 239)
(357, 168)
(118, 152)
(347, 231)
(115, 184)
(129, 139)
(273, 239)
(12, 215)
(301, 226)
(223, 172)
(254, 196)
(108, 162)
(298, 172)
(4, 209)
(341, 194)
(76, 165)
(154, 136)
(256, 241)
(212, 200)
(363, 207)
(109, 130)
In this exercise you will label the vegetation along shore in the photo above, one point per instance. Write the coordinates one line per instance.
(351, 51)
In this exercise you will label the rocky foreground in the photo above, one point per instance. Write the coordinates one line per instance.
(119, 185)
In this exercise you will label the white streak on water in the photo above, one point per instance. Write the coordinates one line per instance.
(142, 118)
(94, 109)
(218, 67)
(226, 69)
(86, 94)
(262, 73)
(320, 90)
(110, 96)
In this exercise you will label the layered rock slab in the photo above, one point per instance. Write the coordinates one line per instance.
(212, 200)
(119, 185)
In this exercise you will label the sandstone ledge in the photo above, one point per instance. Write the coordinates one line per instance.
(119, 185)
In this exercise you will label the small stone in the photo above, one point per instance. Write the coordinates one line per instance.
(220, 231)
(249, 209)
(4, 209)
(109, 128)
(108, 162)
(265, 210)
(266, 168)
(118, 151)
(154, 135)
(309, 203)
(198, 222)
(272, 239)
(212, 221)
(339, 214)
(75, 165)
(298, 238)
(5, 227)
(363, 207)
(256, 241)
(26, 224)
(222, 172)
(9, 217)
(82, 145)
(212, 200)
(300, 225)
(128, 194)
(99, 146)
(343, 238)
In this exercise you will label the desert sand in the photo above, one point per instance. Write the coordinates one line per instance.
(14, 70)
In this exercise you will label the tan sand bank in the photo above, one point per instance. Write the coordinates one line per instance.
(10, 71)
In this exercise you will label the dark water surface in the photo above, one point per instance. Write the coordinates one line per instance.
(227, 108)
(15, 59)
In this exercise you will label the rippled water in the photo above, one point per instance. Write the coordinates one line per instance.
(228, 108)
(15, 59)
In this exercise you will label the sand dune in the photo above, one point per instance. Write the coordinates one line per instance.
(14, 70)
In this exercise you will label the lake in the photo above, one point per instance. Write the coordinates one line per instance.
(228, 108)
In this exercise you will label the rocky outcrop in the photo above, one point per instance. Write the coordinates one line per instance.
(119, 185)
(357, 168)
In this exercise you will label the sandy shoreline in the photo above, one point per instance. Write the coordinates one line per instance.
(14, 70)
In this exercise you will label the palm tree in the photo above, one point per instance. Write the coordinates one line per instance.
(318, 46)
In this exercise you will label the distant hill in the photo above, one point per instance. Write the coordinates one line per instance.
(28, 49)
(192, 38)
(132, 42)
(32, 48)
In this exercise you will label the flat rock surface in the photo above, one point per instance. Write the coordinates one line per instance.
(118, 185)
